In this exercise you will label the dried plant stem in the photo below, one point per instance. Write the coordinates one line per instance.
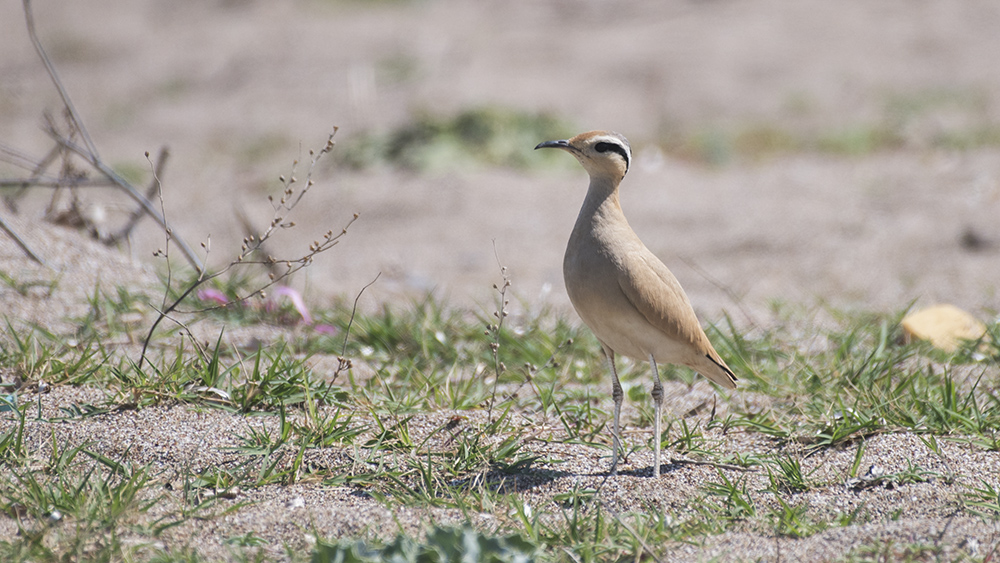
(495, 330)
(67, 102)
(38, 169)
(120, 182)
(253, 245)
(66, 144)
(343, 363)
(24, 246)
(151, 191)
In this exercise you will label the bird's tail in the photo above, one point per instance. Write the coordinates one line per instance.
(715, 369)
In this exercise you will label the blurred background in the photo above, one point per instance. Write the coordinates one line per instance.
(798, 152)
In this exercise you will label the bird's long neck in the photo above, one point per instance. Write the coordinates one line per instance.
(601, 205)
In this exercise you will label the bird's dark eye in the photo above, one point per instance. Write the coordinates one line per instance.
(603, 147)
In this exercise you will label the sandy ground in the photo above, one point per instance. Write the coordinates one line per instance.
(239, 88)
(176, 440)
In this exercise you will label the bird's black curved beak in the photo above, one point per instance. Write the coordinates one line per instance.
(563, 144)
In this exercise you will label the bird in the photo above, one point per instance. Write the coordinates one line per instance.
(626, 296)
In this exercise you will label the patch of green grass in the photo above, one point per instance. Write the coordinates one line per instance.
(786, 475)
(427, 356)
(794, 521)
(67, 514)
(904, 120)
(859, 379)
(983, 499)
(36, 354)
(468, 472)
(266, 380)
(487, 136)
(24, 288)
(581, 529)
(879, 550)
(12, 446)
(70, 503)
(730, 500)
(278, 456)
(861, 139)
(118, 315)
(135, 173)
(441, 545)
(812, 388)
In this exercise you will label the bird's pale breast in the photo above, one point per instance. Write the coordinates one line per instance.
(592, 275)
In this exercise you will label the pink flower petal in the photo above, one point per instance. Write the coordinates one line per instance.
(328, 330)
(297, 301)
(212, 294)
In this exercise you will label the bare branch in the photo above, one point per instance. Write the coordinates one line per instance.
(120, 182)
(53, 183)
(66, 145)
(37, 170)
(254, 245)
(24, 246)
(73, 115)
(21, 160)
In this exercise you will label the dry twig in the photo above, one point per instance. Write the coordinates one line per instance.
(252, 247)
(64, 147)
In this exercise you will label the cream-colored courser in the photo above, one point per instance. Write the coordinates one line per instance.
(621, 290)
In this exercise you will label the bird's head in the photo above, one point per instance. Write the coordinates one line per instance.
(603, 154)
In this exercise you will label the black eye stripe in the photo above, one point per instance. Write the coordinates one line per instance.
(614, 147)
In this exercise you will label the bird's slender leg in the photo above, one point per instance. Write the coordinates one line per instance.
(617, 395)
(658, 408)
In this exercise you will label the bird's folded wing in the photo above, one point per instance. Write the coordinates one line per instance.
(658, 296)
